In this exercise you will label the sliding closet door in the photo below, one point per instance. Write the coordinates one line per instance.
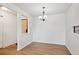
(1, 29)
(8, 28)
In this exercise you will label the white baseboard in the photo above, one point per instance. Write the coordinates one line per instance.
(9, 44)
(23, 46)
(49, 42)
(69, 49)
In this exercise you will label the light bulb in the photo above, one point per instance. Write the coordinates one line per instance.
(40, 17)
(45, 16)
(4, 8)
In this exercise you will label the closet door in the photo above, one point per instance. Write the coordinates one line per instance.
(1, 30)
(8, 28)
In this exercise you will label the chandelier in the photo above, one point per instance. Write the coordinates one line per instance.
(43, 16)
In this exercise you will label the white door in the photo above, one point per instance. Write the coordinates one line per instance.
(1, 30)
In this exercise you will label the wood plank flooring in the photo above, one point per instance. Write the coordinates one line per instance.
(36, 48)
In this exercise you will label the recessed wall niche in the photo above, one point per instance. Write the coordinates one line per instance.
(24, 24)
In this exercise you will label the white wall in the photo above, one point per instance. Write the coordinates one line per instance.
(72, 40)
(22, 39)
(51, 31)
(9, 29)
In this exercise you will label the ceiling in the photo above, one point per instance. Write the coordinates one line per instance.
(35, 9)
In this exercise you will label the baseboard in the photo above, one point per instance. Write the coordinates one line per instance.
(18, 49)
(68, 49)
(8, 45)
(48, 42)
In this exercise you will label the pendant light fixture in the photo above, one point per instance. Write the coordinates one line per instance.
(43, 16)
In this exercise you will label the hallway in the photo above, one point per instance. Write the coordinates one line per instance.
(36, 48)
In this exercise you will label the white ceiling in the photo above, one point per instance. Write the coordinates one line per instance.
(35, 9)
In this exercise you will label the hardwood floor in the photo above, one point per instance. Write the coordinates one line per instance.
(36, 48)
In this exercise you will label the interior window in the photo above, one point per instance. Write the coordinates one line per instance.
(25, 25)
